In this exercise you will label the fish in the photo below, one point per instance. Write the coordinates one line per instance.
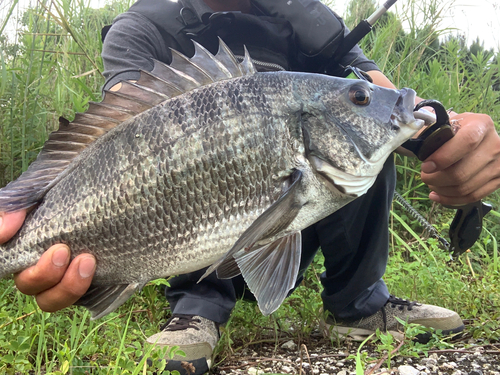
(203, 163)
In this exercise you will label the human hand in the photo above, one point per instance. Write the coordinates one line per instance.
(467, 167)
(54, 281)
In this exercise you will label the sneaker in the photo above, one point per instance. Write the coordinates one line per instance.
(449, 322)
(195, 336)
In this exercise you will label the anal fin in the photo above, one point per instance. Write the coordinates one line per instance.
(100, 300)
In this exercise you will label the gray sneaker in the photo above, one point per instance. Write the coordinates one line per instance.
(195, 336)
(412, 312)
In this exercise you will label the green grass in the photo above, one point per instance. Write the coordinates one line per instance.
(53, 68)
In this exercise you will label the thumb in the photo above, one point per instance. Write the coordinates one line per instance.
(10, 222)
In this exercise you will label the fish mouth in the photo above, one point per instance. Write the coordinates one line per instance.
(345, 183)
(403, 115)
(403, 121)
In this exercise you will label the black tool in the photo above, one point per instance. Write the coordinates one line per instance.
(363, 28)
(468, 222)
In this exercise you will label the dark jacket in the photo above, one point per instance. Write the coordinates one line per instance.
(150, 28)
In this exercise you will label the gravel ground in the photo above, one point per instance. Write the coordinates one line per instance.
(319, 358)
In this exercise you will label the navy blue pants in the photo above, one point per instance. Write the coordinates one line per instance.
(354, 241)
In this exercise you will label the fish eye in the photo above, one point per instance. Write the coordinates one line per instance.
(359, 95)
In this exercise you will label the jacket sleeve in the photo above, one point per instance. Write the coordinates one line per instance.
(130, 45)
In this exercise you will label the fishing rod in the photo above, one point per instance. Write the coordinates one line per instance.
(362, 29)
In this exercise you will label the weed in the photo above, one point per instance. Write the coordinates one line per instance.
(52, 67)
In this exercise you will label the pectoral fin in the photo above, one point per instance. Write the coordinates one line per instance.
(275, 219)
(101, 300)
(271, 271)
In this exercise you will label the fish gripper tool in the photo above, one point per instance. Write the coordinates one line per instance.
(467, 225)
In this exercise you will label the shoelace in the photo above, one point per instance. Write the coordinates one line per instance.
(401, 303)
(180, 322)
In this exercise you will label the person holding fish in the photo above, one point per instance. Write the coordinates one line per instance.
(354, 240)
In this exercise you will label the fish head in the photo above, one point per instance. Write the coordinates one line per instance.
(350, 127)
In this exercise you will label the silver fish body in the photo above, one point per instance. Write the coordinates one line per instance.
(230, 167)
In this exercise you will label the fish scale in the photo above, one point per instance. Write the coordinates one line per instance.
(225, 174)
(83, 193)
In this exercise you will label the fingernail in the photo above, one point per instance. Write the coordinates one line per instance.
(428, 167)
(86, 267)
(60, 257)
(434, 197)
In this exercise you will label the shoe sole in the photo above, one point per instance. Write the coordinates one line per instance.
(197, 359)
(359, 334)
(192, 367)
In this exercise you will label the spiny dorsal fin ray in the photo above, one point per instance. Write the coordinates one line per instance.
(247, 66)
(152, 88)
(144, 94)
(206, 61)
(117, 113)
(176, 79)
(183, 63)
(227, 59)
(153, 81)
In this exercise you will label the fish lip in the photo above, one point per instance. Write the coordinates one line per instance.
(406, 100)
(399, 123)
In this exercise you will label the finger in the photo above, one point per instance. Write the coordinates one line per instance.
(74, 284)
(474, 128)
(10, 223)
(460, 173)
(46, 273)
(474, 196)
(477, 181)
(477, 168)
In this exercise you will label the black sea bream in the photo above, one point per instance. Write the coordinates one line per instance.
(203, 162)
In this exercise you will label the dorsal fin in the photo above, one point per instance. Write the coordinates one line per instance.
(162, 83)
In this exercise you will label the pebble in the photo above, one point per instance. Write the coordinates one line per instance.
(408, 370)
(322, 360)
(428, 362)
(289, 345)
(448, 365)
(254, 371)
